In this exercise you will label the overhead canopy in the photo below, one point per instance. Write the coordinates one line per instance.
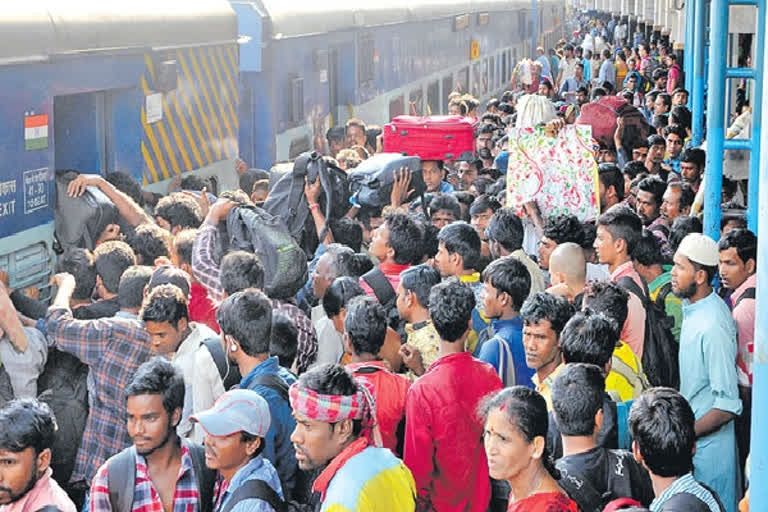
(305, 17)
(38, 29)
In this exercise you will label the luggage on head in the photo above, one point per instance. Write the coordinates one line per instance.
(79, 221)
(431, 138)
(601, 115)
(370, 183)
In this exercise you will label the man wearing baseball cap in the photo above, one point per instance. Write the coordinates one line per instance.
(708, 365)
(235, 430)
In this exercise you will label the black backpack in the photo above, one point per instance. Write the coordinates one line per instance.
(254, 230)
(261, 490)
(79, 221)
(121, 478)
(386, 296)
(371, 181)
(660, 349)
(286, 198)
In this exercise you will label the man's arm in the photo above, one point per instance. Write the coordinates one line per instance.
(130, 211)
(10, 323)
(419, 447)
(204, 266)
(711, 421)
(719, 347)
(99, 500)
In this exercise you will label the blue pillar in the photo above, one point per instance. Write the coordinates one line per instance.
(756, 102)
(698, 78)
(718, 48)
(534, 29)
(758, 490)
(690, 23)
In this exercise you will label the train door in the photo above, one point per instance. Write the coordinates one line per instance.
(341, 82)
(79, 132)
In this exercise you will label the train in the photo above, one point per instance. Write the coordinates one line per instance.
(161, 88)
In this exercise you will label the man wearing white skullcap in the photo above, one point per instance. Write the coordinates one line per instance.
(708, 365)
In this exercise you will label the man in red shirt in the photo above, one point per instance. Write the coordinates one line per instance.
(365, 328)
(443, 433)
(396, 245)
(202, 308)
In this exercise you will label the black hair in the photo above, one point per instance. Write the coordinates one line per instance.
(622, 223)
(509, 275)
(251, 176)
(485, 128)
(687, 195)
(158, 376)
(241, 270)
(656, 140)
(743, 240)
(660, 121)
(195, 182)
(283, 340)
(110, 260)
(608, 298)
(149, 242)
(676, 129)
(462, 239)
(482, 184)
(166, 303)
(126, 184)
(169, 275)
(404, 237)
(345, 262)
(419, 280)
(634, 168)
(365, 325)
(680, 116)
(179, 210)
(130, 293)
(506, 228)
(648, 250)
(694, 156)
(336, 133)
(564, 228)
(653, 185)
(627, 95)
(347, 232)
(484, 203)
(371, 134)
(547, 306)
(661, 422)
(247, 316)
(682, 226)
(332, 379)
(27, 423)
(583, 90)
(447, 202)
(577, 395)
(659, 73)
(666, 98)
(450, 307)
(338, 294)
(466, 199)
(589, 337)
(79, 262)
(183, 243)
(590, 234)
(526, 409)
(610, 174)
(598, 92)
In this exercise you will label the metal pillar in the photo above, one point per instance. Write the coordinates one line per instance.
(535, 29)
(756, 102)
(697, 91)
(690, 24)
(758, 491)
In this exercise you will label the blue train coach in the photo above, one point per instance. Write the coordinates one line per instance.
(148, 87)
(305, 66)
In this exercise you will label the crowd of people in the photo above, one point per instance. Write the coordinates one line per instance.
(457, 355)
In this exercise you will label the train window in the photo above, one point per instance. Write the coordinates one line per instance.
(295, 100)
(462, 80)
(433, 98)
(298, 146)
(447, 89)
(476, 80)
(504, 77)
(416, 102)
(365, 60)
(485, 77)
(396, 107)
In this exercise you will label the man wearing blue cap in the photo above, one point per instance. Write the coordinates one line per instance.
(235, 430)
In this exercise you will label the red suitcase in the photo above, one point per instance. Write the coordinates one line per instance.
(431, 138)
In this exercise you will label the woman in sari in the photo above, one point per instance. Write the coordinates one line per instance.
(515, 444)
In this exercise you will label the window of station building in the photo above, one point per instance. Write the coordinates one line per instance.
(396, 106)
(365, 60)
(447, 89)
(416, 102)
(433, 98)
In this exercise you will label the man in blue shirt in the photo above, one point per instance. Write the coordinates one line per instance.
(235, 429)
(506, 283)
(607, 71)
(245, 319)
(708, 365)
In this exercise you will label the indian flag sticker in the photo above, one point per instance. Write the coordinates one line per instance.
(36, 132)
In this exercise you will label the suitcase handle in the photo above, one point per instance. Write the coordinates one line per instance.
(449, 136)
(403, 133)
(449, 156)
